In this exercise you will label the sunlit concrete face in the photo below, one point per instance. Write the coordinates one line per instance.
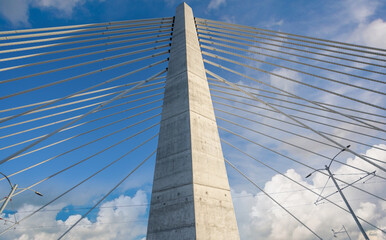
(191, 196)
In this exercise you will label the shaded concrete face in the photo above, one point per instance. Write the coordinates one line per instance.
(191, 197)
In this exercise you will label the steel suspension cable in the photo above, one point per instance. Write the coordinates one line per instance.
(79, 108)
(84, 25)
(289, 96)
(86, 89)
(241, 109)
(79, 118)
(106, 195)
(293, 61)
(291, 102)
(296, 81)
(291, 144)
(96, 119)
(285, 52)
(290, 132)
(269, 196)
(374, 159)
(88, 53)
(306, 119)
(293, 124)
(72, 110)
(82, 64)
(297, 121)
(83, 35)
(199, 20)
(296, 182)
(309, 120)
(294, 109)
(237, 30)
(277, 128)
(74, 96)
(303, 164)
(61, 195)
(292, 43)
(147, 32)
(88, 143)
(275, 170)
(73, 49)
(72, 33)
(68, 128)
(72, 137)
(81, 161)
(286, 47)
(109, 94)
(291, 69)
(283, 130)
(299, 97)
(70, 118)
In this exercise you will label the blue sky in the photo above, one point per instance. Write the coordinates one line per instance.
(360, 22)
(324, 19)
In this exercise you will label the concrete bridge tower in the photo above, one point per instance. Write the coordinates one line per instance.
(191, 197)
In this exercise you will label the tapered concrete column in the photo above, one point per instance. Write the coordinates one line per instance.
(191, 197)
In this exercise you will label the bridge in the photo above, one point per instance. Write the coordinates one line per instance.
(179, 105)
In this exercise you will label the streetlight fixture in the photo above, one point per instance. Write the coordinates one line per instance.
(327, 168)
(344, 149)
(36, 192)
(13, 189)
(317, 170)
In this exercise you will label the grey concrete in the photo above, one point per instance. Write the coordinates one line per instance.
(191, 197)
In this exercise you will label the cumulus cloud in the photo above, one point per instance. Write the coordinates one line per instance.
(171, 2)
(120, 218)
(259, 216)
(215, 4)
(65, 7)
(360, 10)
(367, 30)
(284, 84)
(371, 34)
(17, 11)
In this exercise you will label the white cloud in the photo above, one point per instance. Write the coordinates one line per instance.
(359, 10)
(279, 23)
(259, 216)
(120, 218)
(355, 22)
(171, 2)
(15, 11)
(367, 30)
(64, 7)
(284, 84)
(371, 34)
(215, 4)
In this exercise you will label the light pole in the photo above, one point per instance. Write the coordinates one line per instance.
(13, 189)
(327, 168)
(347, 204)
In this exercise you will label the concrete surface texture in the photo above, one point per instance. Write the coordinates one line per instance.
(191, 197)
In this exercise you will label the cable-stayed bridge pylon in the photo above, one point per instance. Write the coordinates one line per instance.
(102, 104)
